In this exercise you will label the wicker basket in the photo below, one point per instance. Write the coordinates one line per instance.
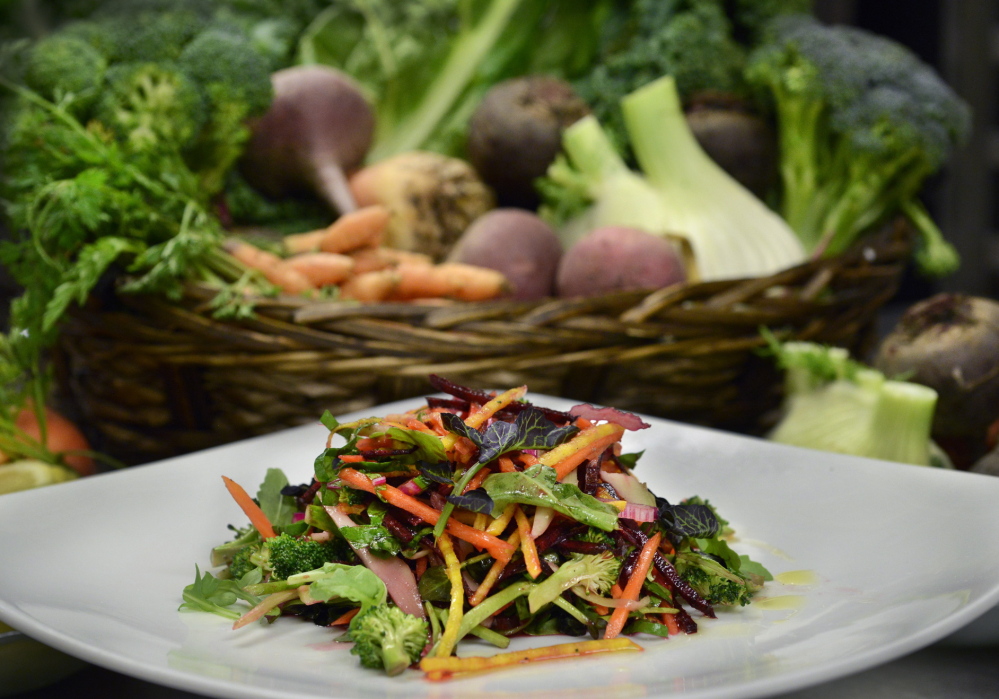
(151, 378)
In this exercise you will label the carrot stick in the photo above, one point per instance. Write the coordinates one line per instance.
(345, 618)
(584, 446)
(506, 464)
(268, 603)
(252, 510)
(527, 546)
(671, 624)
(494, 572)
(351, 458)
(322, 268)
(275, 270)
(448, 640)
(497, 548)
(438, 668)
(634, 585)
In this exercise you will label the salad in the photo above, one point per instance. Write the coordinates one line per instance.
(476, 514)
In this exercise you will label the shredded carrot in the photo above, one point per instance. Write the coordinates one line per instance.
(268, 603)
(527, 546)
(670, 621)
(251, 509)
(493, 574)
(506, 464)
(351, 458)
(345, 618)
(478, 418)
(634, 585)
(582, 423)
(452, 567)
(527, 460)
(584, 446)
(477, 479)
(497, 548)
(421, 567)
(437, 668)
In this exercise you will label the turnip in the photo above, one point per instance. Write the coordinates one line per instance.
(518, 244)
(431, 198)
(516, 132)
(950, 342)
(318, 129)
(616, 258)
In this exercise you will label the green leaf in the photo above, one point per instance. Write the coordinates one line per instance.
(477, 500)
(352, 582)
(538, 485)
(373, 537)
(278, 508)
(689, 519)
(210, 594)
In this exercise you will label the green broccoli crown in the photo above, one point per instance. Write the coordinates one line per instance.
(387, 637)
(692, 41)
(287, 555)
(230, 70)
(879, 94)
(151, 105)
(712, 580)
(59, 66)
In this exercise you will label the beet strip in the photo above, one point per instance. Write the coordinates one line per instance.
(474, 395)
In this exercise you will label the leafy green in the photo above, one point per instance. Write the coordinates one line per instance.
(210, 594)
(688, 519)
(278, 507)
(538, 485)
(337, 580)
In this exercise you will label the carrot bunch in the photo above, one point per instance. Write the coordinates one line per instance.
(350, 254)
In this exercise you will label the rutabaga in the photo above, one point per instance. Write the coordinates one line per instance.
(836, 404)
(680, 191)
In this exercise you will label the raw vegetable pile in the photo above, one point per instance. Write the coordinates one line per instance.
(476, 514)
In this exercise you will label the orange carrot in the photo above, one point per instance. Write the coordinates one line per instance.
(370, 287)
(358, 229)
(506, 464)
(584, 446)
(351, 458)
(372, 259)
(634, 585)
(497, 548)
(451, 280)
(671, 624)
(252, 510)
(345, 618)
(275, 270)
(322, 268)
(438, 668)
(527, 546)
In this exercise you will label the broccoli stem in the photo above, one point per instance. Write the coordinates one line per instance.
(458, 71)
(394, 655)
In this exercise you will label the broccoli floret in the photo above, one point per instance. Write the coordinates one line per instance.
(152, 106)
(60, 67)
(862, 124)
(387, 637)
(692, 41)
(237, 82)
(751, 17)
(286, 555)
(712, 580)
(244, 560)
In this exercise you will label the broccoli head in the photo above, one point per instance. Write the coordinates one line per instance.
(151, 106)
(387, 637)
(60, 67)
(243, 561)
(712, 580)
(862, 123)
(692, 41)
(237, 82)
(286, 555)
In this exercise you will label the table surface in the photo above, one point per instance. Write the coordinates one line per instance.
(937, 671)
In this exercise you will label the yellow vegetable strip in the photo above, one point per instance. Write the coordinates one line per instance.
(585, 445)
(527, 546)
(438, 668)
(498, 525)
(453, 569)
(492, 575)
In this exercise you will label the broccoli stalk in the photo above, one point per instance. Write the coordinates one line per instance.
(387, 637)
(862, 123)
(594, 574)
(836, 404)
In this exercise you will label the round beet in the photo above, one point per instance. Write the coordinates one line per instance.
(518, 244)
(616, 258)
(516, 132)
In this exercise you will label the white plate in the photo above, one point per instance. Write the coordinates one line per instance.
(902, 556)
